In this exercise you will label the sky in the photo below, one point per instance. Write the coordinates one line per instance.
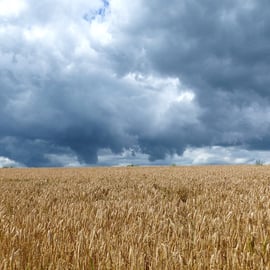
(116, 82)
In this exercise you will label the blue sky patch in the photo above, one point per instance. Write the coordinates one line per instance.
(91, 15)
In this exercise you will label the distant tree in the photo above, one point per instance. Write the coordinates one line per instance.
(259, 162)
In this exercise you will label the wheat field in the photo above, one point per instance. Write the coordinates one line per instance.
(212, 217)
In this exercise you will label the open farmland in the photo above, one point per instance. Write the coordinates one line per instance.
(213, 217)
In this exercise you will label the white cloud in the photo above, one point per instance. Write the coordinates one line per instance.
(187, 96)
(6, 162)
(222, 155)
(99, 32)
(64, 160)
(191, 156)
(12, 8)
(169, 100)
(127, 157)
(38, 33)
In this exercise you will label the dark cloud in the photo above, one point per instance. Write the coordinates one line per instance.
(220, 50)
(151, 76)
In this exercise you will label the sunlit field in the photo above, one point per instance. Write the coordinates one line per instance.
(213, 217)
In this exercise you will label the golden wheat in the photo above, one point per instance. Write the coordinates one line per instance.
(135, 218)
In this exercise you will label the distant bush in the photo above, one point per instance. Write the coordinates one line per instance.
(131, 165)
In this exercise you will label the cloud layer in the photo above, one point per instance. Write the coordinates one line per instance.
(153, 78)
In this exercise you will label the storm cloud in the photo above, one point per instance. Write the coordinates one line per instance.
(108, 82)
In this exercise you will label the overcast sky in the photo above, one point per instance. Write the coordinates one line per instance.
(114, 82)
